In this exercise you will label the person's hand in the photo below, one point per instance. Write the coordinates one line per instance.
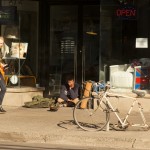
(71, 86)
(3, 65)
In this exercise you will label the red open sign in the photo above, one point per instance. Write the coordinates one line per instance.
(126, 12)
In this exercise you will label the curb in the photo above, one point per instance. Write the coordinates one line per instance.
(86, 141)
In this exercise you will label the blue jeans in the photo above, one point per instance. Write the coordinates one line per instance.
(3, 88)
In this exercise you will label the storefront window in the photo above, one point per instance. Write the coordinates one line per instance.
(23, 30)
(121, 22)
(63, 42)
(91, 48)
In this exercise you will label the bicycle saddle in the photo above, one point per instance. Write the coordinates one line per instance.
(139, 93)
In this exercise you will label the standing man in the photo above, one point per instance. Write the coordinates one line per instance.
(2, 81)
(69, 92)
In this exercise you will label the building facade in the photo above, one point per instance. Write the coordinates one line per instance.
(80, 37)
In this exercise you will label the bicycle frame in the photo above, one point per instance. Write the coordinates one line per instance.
(124, 123)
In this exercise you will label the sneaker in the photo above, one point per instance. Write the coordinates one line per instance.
(60, 105)
(54, 107)
(64, 105)
(2, 110)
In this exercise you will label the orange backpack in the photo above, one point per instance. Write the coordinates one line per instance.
(87, 89)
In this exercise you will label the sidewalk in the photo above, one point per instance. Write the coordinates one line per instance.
(42, 126)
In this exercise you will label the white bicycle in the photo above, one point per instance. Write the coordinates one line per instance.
(93, 113)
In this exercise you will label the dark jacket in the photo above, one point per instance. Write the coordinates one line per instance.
(67, 93)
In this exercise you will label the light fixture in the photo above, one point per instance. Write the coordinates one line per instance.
(91, 32)
(91, 29)
(11, 32)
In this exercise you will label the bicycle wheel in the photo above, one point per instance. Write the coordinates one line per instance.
(89, 116)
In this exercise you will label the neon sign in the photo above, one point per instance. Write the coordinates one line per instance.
(126, 12)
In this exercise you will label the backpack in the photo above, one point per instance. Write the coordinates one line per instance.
(98, 86)
(87, 88)
(92, 86)
(39, 102)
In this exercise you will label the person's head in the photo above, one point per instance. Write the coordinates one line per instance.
(70, 81)
(1, 41)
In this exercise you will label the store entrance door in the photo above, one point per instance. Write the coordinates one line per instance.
(74, 42)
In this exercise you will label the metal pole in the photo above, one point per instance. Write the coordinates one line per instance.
(19, 52)
(99, 40)
(105, 72)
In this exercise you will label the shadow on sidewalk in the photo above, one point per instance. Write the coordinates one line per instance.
(71, 125)
(68, 125)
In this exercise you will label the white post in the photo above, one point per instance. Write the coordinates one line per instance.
(107, 126)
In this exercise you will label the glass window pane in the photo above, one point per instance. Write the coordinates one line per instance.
(91, 17)
(63, 40)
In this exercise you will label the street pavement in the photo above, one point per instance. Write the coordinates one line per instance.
(39, 125)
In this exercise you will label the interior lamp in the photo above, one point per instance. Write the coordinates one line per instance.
(91, 30)
(11, 32)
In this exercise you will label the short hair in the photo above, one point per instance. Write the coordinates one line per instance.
(69, 77)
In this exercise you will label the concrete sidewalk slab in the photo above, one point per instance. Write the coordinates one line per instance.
(42, 126)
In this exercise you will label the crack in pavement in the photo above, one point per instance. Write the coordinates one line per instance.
(133, 143)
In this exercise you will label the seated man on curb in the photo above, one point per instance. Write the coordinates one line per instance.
(69, 93)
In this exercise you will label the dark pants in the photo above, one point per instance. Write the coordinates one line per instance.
(3, 88)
